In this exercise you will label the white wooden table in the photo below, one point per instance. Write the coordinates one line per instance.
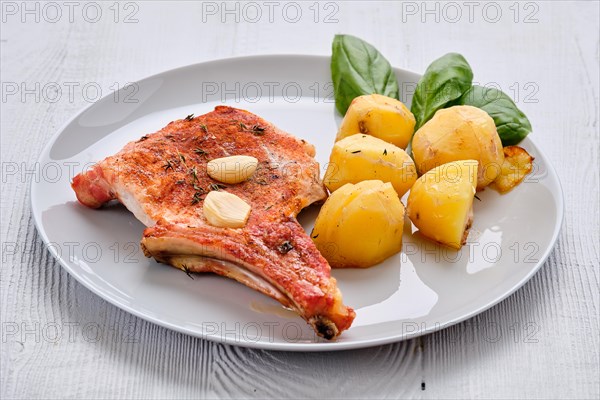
(546, 336)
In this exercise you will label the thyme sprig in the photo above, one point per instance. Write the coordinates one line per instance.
(197, 197)
(261, 182)
(258, 130)
(187, 271)
(168, 165)
(198, 191)
(200, 152)
(216, 186)
(194, 174)
(255, 129)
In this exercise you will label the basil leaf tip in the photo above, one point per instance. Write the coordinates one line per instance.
(511, 123)
(444, 81)
(357, 68)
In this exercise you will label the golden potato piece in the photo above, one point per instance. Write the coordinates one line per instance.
(380, 116)
(362, 157)
(460, 133)
(360, 225)
(440, 202)
(517, 164)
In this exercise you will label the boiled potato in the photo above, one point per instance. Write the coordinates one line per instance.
(460, 133)
(363, 157)
(380, 116)
(440, 202)
(360, 225)
(517, 164)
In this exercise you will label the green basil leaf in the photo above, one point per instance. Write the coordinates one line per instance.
(512, 125)
(445, 80)
(357, 68)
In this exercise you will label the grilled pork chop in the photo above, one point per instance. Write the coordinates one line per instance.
(162, 180)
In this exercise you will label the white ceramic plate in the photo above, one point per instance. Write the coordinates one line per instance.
(423, 289)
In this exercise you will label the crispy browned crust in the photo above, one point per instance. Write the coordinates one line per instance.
(517, 164)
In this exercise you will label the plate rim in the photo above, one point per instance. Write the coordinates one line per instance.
(290, 346)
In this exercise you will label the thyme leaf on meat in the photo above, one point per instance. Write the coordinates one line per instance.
(181, 157)
(194, 174)
(198, 191)
(216, 186)
(143, 138)
(258, 130)
(197, 196)
(204, 128)
(285, 247)
(187, 271)
(261, 181)
(189, 117)
(168, 165)
(200, 152)
(255, 129)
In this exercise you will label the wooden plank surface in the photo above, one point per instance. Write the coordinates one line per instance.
(542, 342)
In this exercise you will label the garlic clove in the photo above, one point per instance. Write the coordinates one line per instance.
(225, 210)
(233, 169)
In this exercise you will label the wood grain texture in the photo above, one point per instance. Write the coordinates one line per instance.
(542, 342)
